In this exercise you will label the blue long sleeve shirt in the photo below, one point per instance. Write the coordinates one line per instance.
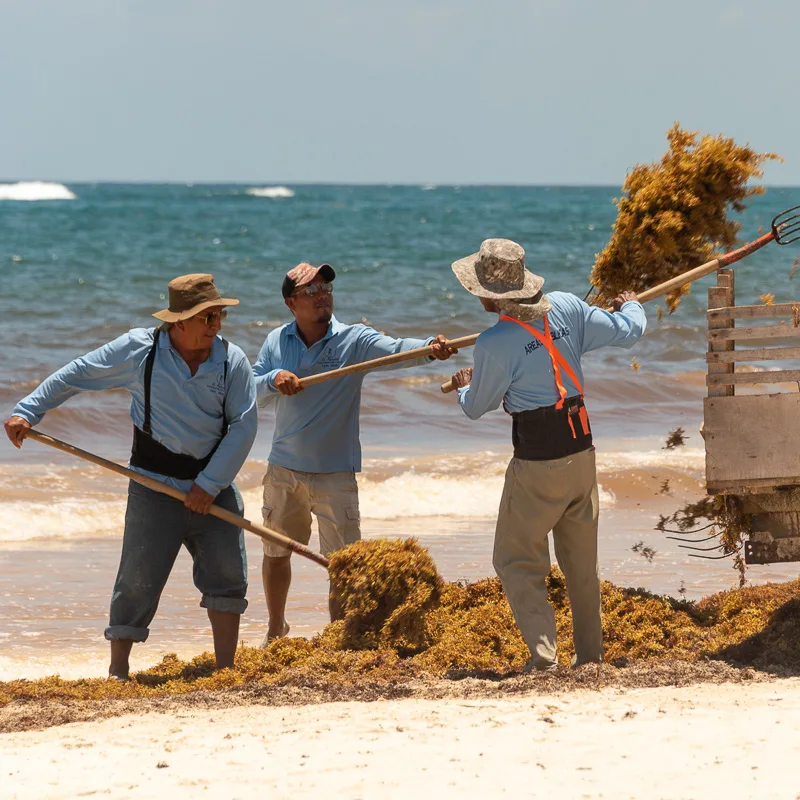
(512, 367)
(317, 430)
(185, 409)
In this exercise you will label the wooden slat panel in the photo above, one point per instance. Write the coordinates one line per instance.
(763, 332)
(751, 485)
(752, 438)
(765, 354)
(739, 378)
(752, 312)
(721, 295)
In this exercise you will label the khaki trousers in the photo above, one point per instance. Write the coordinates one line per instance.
(539, 497)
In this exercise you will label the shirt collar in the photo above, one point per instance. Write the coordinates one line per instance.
(218, 352)
(334, 326)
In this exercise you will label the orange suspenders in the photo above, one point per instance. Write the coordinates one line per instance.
(558, 362)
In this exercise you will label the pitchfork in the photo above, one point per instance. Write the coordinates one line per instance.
(785, 229)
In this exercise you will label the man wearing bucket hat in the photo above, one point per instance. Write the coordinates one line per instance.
(315, 447)
(530, 361)
(193, 407)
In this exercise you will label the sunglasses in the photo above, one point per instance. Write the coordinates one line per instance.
(313, 289)
(212, 317)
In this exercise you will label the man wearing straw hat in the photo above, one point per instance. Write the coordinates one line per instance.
(193, 406)
(315, 447)
(530, 361)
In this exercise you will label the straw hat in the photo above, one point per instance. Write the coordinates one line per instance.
(191, 294)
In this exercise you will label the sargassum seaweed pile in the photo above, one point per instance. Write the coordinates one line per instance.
(404, 623)
(674, 214)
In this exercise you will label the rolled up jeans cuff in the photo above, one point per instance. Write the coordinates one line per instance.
(228, 605)
(128, 632)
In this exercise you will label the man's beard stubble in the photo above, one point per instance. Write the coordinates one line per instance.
(324, 314)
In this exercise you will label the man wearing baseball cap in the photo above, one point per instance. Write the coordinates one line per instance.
(316, 450)
(193, 407)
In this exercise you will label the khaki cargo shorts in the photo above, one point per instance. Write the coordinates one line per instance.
(290, 498)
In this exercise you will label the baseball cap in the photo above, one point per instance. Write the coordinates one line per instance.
(303, 274)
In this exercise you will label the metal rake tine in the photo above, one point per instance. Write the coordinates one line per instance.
(694, 541)
(786, 226)
(700, 549)
(717, 558)
(687, 532)
(591, 295)
(789, 235)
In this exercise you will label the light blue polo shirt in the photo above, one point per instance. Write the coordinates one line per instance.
(185, 409)
(317, 430)
(513, 367)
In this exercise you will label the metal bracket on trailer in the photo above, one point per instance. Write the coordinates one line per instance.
(763, 548)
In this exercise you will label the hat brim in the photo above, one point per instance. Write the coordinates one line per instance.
(178, 316)
(464, 270)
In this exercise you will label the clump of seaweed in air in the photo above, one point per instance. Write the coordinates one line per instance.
(673, 215)
(676, 438)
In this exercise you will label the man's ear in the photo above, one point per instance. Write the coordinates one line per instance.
(289, 303)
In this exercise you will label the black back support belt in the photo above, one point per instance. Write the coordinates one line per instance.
(544, 434)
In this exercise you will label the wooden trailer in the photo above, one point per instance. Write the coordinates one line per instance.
(752, 439)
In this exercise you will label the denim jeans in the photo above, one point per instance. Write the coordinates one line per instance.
(156, 526)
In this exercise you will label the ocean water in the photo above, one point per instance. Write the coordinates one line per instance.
(81, 270)
(83, 263)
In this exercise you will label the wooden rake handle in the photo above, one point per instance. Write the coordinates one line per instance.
(157, 486)
(385, 361)
(684, 278)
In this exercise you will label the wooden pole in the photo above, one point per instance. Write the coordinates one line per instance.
(468, 341)
(158, 486)
(385, 361)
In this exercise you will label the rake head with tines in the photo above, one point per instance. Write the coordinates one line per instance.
(786, 226)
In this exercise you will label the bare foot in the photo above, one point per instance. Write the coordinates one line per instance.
(270, 637)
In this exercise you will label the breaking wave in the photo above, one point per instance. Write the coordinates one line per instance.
(35, 190)
(271, 191)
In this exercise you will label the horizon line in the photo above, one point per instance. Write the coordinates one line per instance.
(384, 184)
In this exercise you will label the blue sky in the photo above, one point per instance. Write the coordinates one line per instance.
(440, 91)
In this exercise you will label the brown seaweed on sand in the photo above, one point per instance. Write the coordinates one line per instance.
(469, 630)
(384, 589)
(673, 215)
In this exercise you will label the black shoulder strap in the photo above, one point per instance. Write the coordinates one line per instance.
(225, 384)
(148, 376)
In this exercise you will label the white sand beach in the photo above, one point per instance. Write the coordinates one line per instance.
(697, 741)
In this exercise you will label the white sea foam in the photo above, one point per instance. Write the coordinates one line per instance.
(406, 495)
(70, 519)
(35, 190)
(413, 495)
(458, 486)
(271, 192)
